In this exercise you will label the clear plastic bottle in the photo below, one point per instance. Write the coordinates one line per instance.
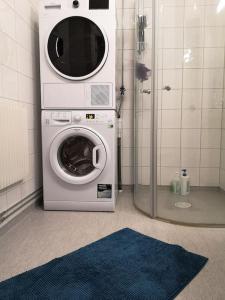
(176, 184)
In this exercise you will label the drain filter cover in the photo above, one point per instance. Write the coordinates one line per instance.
(183, 204)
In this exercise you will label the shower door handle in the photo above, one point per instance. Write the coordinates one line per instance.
(146, 91)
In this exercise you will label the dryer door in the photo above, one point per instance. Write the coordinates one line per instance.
(77, 156)
(77, 48)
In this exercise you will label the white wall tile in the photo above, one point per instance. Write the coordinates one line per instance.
(172, 17)
(172, 38)
(9, 83)
(127, 175)
(214, 37)
(172, 58)
(170, 138)
(211, 138)
(7, 14)
(191, 118)
(167, 175)
(193, 37)
(214, 58)
(127, 138)
(146, 175)
(212, 98)
(223, 139)
(192, 98)
(170, 157)
(127, 119)
(212, 17)
(211, 118)
(194, 174)
(222, 165)
(127, 157)
(146, 157)
(8, 55)
(190, 158)
(194, 16)
(192, 79)
(23, 8)
(173, 3)
(210, 158)
(131, 4)
(213, 78)
(172, 78)
(18, 31)
(26, 89)
(190, 138)
(147, 120)
(171, 99)
(209, 177)
(222, 179)
(193, 58)
(171, 118)
(13, 195)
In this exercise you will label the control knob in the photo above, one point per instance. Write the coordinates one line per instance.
(76, 4)
(77, 118)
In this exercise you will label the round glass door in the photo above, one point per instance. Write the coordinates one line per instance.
(77, 48)
(77, 155)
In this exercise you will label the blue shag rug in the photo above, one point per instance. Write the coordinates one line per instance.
(123, 266)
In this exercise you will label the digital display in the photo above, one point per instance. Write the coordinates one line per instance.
(98, 4)
(90, 116)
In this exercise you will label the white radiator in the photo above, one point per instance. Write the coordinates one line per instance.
(14, 158)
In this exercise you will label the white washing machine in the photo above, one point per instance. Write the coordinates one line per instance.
(77, 54)
(79, 160)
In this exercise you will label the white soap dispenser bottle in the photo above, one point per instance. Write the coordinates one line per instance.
(185, 183)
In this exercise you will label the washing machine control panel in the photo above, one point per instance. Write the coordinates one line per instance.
(87, 118)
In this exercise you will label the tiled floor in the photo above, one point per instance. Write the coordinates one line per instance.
(40, 236)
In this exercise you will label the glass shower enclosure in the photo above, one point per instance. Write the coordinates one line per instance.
(179, 111)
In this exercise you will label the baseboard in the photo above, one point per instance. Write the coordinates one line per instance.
(16, 210)
(127, 188)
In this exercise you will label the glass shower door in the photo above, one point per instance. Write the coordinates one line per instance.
(190, 47)
(143, 192)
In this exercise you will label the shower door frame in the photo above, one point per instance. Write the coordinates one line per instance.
(154, 138)
(154, 125)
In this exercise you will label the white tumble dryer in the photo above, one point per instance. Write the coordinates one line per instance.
(79, 160)
(77, 54)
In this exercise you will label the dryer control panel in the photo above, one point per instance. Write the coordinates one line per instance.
(98, 4)
(80, 5)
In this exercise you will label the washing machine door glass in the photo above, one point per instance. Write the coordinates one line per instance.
(77, 48)
(77, 156)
